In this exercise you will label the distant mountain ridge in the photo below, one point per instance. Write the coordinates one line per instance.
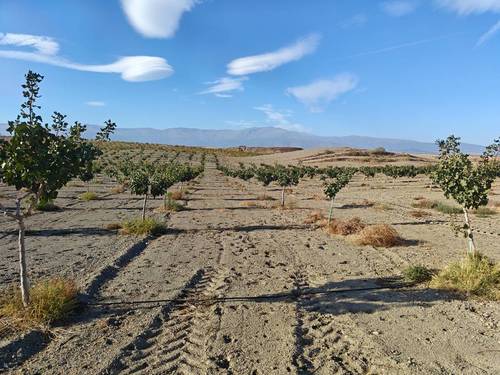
(264, 137)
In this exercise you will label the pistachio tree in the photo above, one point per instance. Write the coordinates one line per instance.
(38, 160)
(335, 185)
(464, 180)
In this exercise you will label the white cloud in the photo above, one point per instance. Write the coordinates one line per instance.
(42, 44)
(272, 60)
(399, 8)
(131, 68)
(465, 7)
(489, 34)
(357, 20)
(156, 18)
(95, 103)
(279, 118)
(224, 86)
(319, 93)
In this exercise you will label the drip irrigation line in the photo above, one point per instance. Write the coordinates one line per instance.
(278, 296)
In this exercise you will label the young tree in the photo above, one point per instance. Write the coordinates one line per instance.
(466, 182)
(39, 160)
(105, 133)
(286, 177)
(332, 188)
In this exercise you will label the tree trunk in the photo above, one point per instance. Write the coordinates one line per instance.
(23, 272)
(283, 197)
(144, 207)
(471, 246)
(330, 212)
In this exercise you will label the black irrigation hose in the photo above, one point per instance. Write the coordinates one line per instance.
(294, 295)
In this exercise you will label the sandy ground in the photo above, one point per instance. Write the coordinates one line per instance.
(262, 292)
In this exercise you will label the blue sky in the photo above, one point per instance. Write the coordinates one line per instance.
(417, 69)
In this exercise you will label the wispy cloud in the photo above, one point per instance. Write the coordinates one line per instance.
(279, 118)
(398, 47)
(489, 34)
(95, 103)
(44, 50)
(156, 18)
(318, 94)
(224, 86)
(357, 20)
(399, 8)
(271, 60)
(465, 7)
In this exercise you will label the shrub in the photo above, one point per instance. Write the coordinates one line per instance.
(417, 274)
(381, 235)
(473, 275)
(147, 226)
(88, 196)
(346, 227)
(51, 300)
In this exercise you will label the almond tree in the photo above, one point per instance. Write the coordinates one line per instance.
(468, 183)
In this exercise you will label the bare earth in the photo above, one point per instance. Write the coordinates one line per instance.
(263, 292)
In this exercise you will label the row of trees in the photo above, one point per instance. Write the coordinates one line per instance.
(154, 180)
(461, 178)
(39, 159)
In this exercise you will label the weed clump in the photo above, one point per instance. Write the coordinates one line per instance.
(265, 197)
(418, 214)
(47, 206)
(474, 275)
(484, 212)
(380, 235)
(176, 195)
(424, 203)
(113, 226)
(51, 300)
(447, 209)
(88, 196)
(346, 227)
(417, 274)
(148, 226)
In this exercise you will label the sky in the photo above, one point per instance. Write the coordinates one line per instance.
(412, 69)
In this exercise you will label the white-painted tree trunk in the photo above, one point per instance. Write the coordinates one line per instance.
(144, 207)
(471, 246)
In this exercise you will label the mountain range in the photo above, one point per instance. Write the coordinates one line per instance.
(264, 137)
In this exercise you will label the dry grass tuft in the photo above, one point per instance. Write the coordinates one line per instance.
(424, 203)
(419, 214)
(149, 226)
(52, 300)
(265, 197)
(473, 275)
(113, 226)
(314, 217)
(346, 227)
(382, 207)
(176, 195)
(250, 204)
(88, 196)
(290, 204)
(118, 189)
(484, 212)
(380, 235)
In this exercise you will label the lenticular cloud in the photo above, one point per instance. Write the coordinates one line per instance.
(44, 50)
